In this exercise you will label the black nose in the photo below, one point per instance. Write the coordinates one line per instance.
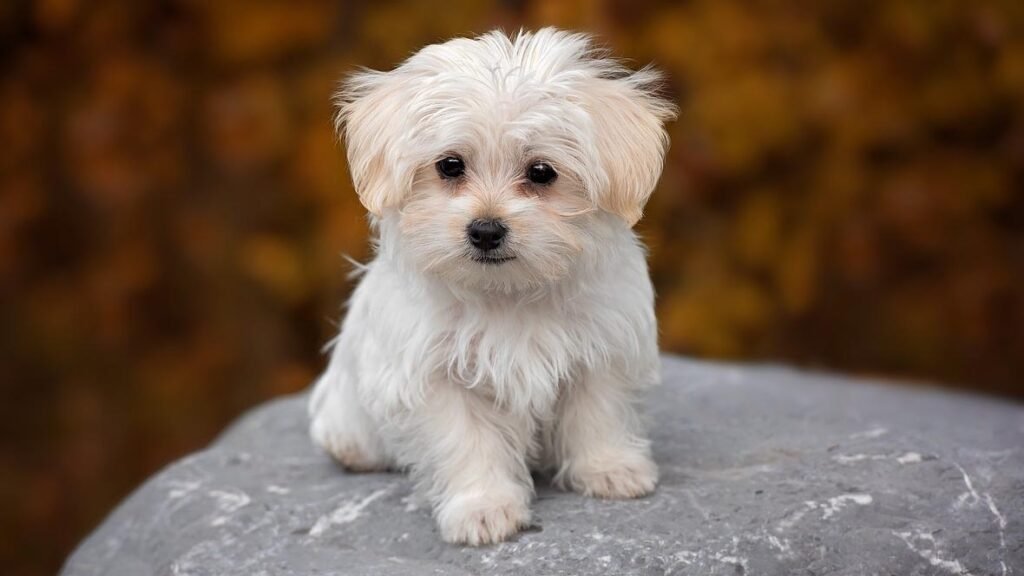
(486, 234)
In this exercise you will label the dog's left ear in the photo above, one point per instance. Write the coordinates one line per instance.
(631, 141)
(370, 111)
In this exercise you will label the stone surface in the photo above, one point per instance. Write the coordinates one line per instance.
(764, 471)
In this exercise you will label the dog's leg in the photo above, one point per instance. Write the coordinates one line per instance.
(598, 442)
(471, 458)
(340, 425)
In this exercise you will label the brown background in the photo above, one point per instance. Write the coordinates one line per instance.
(843, 191)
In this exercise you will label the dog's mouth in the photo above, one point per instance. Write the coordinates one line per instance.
(492, 260)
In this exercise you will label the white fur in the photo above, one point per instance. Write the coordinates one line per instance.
(471, 374)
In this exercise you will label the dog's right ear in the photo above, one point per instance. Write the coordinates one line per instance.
(369, 120)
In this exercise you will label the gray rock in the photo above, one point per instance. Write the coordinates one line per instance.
(763, 471)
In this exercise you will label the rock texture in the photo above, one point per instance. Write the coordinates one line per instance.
(764, 471)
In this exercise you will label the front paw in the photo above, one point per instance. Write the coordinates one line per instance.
(630, 476)
(482, 519)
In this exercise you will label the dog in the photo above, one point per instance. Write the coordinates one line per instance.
(506, 323)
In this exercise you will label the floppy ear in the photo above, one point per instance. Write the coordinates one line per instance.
(369, 119)
(630, 139)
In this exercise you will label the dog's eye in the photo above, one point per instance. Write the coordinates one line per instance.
(541, 173)
(451, 167)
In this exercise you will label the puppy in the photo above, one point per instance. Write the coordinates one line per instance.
(506, 323)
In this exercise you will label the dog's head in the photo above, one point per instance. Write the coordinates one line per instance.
(496, 161)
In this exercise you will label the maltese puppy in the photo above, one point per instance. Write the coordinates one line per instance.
(506, 323)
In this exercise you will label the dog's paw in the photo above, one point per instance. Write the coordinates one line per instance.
(353, 455)
(632, 478)
(481, 520)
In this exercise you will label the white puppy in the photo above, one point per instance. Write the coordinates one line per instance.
(507, 320)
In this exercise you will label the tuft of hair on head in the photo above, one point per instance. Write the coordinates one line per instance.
(627, 109)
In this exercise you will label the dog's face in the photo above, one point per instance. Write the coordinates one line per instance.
(496, 162)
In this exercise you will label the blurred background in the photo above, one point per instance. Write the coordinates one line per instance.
(844, 192)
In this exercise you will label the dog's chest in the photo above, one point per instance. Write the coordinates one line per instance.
(514, 352)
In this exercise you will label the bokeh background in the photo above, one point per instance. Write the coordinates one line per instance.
(844, 191)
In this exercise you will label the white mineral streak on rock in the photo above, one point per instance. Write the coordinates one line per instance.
(1000, 519)
(347, 512)
(782, 546)
(733, 557)
(180, 489)
(1001, 522)
(837, 503)
(685, 557)
(875, 432)
(930, 553)
(906, 458)
(729, 559)
(970, 497)
(488, 557)
(728, 555)
(275, 489)
(791, 520)
(228, 502)
(851, 458)
(909, 458)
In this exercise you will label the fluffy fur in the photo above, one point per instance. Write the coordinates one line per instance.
(469, 374)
